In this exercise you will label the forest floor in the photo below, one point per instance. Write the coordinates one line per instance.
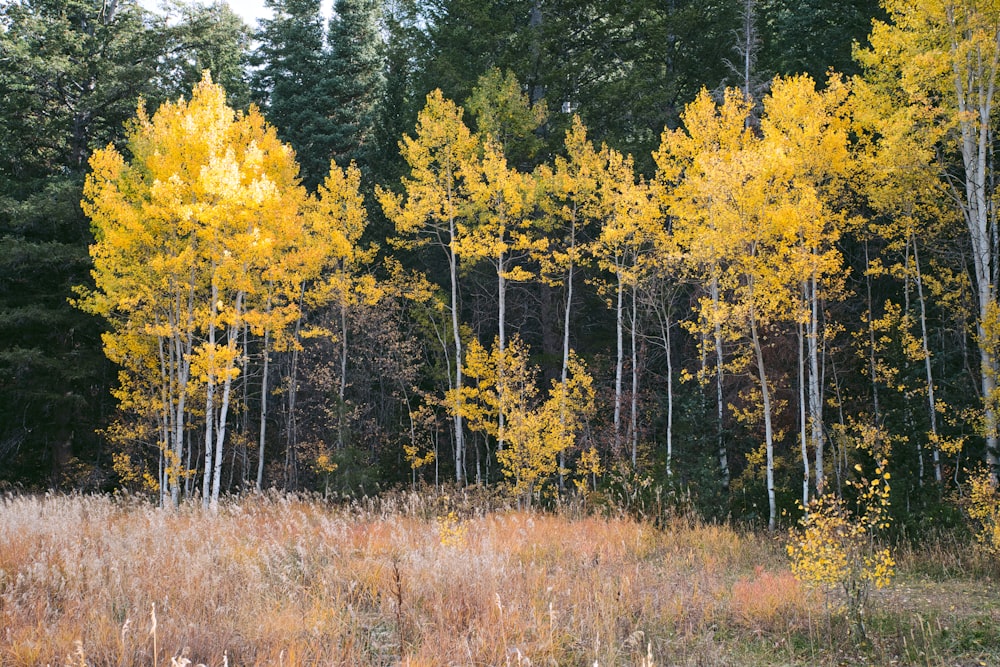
(419, 580)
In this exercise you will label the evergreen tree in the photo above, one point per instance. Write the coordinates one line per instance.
(290, 84)
(813, 36)
(72, 70)
(201, 37)
(357, 79)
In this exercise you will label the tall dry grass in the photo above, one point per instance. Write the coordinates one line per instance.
(279, 580)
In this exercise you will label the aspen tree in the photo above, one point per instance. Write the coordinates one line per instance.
(433, 210)
(902, 183)
(684, 162)
(341, 211)
(568, 199)
(186, 233)
(808, 129)
(627, 212)
(944, 56)
(501, 400)
(499, 228)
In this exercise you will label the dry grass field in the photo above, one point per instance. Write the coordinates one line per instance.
(432, 581)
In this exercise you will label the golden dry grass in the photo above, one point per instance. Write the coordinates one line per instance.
(287, 581)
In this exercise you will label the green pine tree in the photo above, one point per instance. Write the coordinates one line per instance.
(291, 83)
(357, 82)
(72, 72)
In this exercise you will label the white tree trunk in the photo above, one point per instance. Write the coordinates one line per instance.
(457, 334)
(634, 423)
(502, 342)
(975, 86)
(765, 393)
(928, 370)
(816, 388)
(206, 487)
(619, 363)
(802, 415)
(719, 374)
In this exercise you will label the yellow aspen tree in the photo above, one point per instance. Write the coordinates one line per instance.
(627, 212)
(568, 200)
(430, 214)
(684, 168)
(902, 183)
(501, 400)
(808, 130)
(663, 277)
(342, 212)
(728, 200)
(500, 228)
(186, 232)
(944, 55)
(538, 435)
(755, 212)
(321, 240)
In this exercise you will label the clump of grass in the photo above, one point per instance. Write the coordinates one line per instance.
(412, 580)
(771, 602)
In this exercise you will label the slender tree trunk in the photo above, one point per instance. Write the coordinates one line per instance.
(565, 349)
(188, 453)
(665, 334)
(502, 342)
(802, 414)
(619, 364)
(719, 374)
(292, 443)
(206, 487)
(928, 370)
(871, 341)
(182, 346)
(227, 385)
(975, 89)
(457, 334)
(765, 393)
(263, 405)
(166, 408)
(634, 424)
(342, 389)
(244, 449)
(816, 388)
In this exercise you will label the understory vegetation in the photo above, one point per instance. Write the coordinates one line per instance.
(452, 578)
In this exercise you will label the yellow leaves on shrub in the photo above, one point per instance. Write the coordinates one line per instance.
(983, 506)
(834, 548)
(452, 530)
(589, 465)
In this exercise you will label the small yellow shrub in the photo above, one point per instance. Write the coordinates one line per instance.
(983, 507)
(452, 530)
(835, 548)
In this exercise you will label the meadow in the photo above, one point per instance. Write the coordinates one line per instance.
(434, 579)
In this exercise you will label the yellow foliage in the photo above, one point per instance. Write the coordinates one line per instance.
(452, 530)
(534, 431)
(324, 464)
(983, 506)
(835, 548)
(589, 464)
(130, 475)
(204, 230)
(412, 454)
(568, 195)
